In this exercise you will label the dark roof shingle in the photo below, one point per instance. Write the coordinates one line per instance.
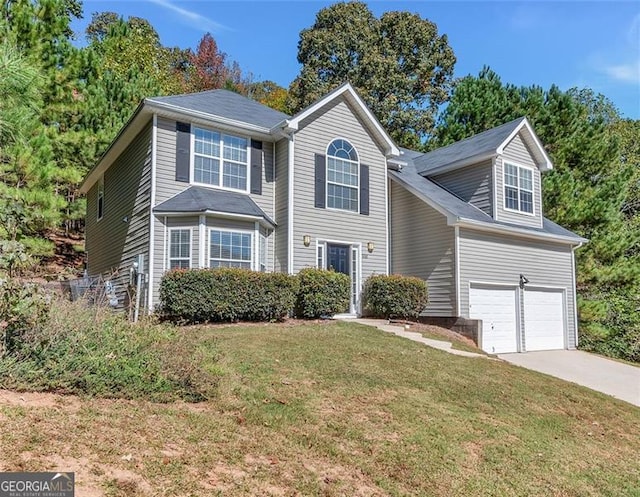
(226, 104)
(202, 199)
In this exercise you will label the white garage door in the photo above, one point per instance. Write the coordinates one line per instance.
(496, 307)
(543, 319)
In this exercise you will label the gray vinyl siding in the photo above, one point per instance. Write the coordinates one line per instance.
(517, 153)
(472, 184)
(315, 134)
(167, 186)
(281, 206)
(422, 245)
(492, 258)
(112, 243)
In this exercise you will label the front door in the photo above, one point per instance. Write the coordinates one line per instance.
(338, 258)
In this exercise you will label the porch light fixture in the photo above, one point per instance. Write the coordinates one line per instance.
(523, 280)
(370, 247)
(306, 240)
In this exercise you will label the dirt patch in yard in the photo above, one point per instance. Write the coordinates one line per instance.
(438, 332)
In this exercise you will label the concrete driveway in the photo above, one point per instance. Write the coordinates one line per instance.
(604, 375)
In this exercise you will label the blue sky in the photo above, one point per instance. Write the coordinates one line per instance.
(569, 43)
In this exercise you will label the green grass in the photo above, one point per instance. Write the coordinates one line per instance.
(455, 344)
(339, 409)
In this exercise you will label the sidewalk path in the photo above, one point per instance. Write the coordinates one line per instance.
(383, 324)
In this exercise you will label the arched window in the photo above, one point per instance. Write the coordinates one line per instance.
(342, 176)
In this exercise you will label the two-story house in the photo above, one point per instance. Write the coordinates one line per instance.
(215, 179)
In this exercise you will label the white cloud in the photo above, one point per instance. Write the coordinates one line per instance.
(193, 18)
(625, 73)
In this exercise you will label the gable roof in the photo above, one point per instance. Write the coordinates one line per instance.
(346, 90)
(225, 104)
(480, 147)
(460, 212)
(200, 200)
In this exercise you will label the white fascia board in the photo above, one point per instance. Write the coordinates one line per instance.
(225, 215)
(546, 164)
(451, 218)
(175, 112)
(124, 137)
(520, 232)
(391, 149)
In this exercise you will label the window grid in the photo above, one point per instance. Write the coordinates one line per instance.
(179, 248)
(518, 188)
(230, 249)
(215, 151)
(343, 170)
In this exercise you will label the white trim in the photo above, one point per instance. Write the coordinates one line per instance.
(323, 249)
(521, 232)
(152, 202)
(518, 166)
(355, 306)
(273, 202)
(165, 251)
(326, 177)
(547, 164)
(202, 240)
(290, 205)
(294, 122)
(230, 230)
(221, 215)
(575, 297)
(180, 228)
(387, 202)
(456, 235)
(221, 160)
(494, 187)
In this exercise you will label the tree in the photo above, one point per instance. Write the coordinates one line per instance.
(398, 63)
(589, 191)
(270, 94)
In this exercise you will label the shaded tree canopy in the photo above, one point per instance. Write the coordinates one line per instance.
(398, 63)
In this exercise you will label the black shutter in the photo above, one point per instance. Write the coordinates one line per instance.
(321, 180)
(183, 151)
(364, 189)
(256, 167)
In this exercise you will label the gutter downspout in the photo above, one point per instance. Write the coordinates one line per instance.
(457, 269)
(152, 202)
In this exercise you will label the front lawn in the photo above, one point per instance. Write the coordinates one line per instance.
(334, 409)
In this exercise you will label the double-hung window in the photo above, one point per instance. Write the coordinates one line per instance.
(179, 248)
(100, 197)
(342, 176)
(220, 160)
(230, 249)
(518, 188)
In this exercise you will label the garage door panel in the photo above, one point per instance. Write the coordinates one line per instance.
(496, 307)
(544, 324)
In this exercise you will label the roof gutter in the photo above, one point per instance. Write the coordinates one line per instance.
(502, 229)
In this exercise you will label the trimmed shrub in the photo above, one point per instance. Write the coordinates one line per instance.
(226, 295)
(395, 296)
(322, 293)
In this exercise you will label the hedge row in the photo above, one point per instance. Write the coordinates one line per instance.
(395, 296)
(228, 295)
